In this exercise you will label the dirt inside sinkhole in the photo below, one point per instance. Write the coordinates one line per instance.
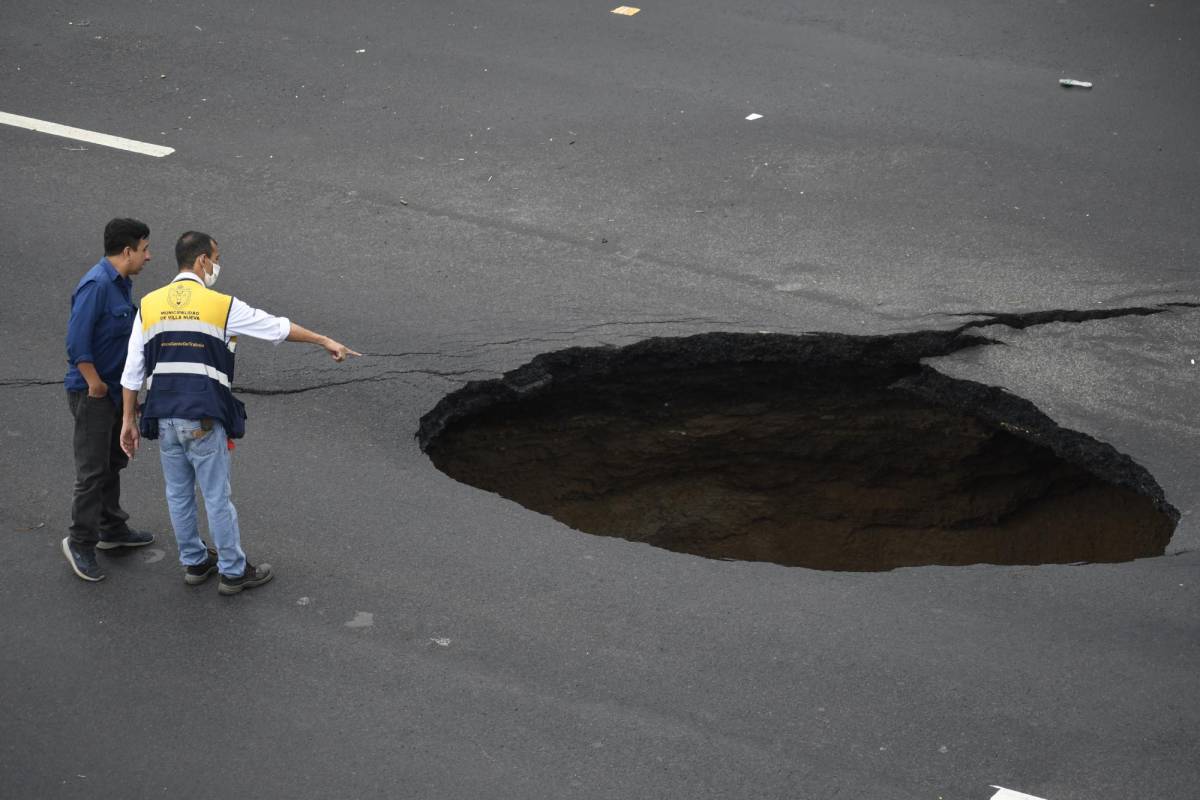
(824, 468)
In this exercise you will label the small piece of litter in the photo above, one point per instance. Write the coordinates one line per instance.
(360, 51)
(303, 601)
(943, 749)
(1072, 83)
(627, 11)
(403, 202)
(362, 619)
(753, 117)
(1193, 362)
(440, 641)
(197, 27)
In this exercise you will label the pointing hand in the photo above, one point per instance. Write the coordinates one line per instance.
(339, 351)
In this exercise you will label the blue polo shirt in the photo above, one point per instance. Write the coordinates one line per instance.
(102, 315)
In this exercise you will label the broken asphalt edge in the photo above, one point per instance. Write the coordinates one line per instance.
(894, 358)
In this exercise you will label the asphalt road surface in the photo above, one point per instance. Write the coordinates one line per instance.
(456, 187)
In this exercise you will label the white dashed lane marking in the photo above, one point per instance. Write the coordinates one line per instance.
(1009, 794)
(81, 135)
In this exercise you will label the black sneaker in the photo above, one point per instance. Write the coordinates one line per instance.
(253, 576)
(197, 574)
(128, 539)
(83, 562)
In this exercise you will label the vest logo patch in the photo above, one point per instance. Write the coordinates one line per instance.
(180, 294)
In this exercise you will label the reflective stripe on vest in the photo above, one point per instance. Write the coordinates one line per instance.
(188, 368)
(191, 326)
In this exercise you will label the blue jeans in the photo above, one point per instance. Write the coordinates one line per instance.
(191, 455)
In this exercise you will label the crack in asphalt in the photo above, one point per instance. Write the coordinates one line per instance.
(414, 353)
(1021, 321)
(680, 320)
(596, 243)
(1015, 320)
(380, 378)
(251, 390)
(470, 345)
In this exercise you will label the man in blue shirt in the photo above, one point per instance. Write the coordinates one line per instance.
(102, 313)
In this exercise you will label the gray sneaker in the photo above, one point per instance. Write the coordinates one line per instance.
(253, 576)
(128, 539)
(196, 574)
(82, 561)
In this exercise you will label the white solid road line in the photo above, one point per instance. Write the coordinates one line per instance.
(81, 135)
(1009, 794)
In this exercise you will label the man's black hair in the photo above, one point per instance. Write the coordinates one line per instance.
(191, 246)
(121, 233)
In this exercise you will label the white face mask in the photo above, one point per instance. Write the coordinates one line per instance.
(209, 280)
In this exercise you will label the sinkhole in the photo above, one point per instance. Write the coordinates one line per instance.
(823, 451)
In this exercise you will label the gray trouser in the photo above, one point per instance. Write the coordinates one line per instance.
(99, 459)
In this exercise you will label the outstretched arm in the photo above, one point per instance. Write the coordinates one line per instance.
(337, 350)
(257, 323)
